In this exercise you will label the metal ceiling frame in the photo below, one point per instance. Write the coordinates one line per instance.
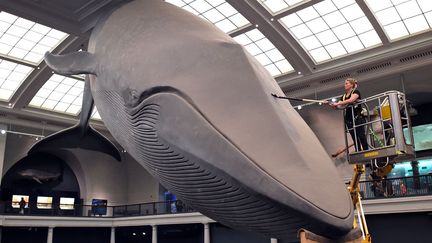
(257, 14)
(42, 72)
(373, 20)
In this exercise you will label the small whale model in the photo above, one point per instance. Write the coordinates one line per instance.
(40, 176)
(194, 108)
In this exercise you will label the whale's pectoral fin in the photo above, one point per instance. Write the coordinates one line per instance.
(37, 180)
(73, 138)
(80, 62)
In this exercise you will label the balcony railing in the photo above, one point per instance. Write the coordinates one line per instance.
(396, 187)
(377, 189)
(79, 210)
(143, 209)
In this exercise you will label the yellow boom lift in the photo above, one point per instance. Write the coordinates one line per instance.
(390, 140)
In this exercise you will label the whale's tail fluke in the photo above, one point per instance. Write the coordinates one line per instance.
(81, 135)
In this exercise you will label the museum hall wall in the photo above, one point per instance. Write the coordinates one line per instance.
(99, 175)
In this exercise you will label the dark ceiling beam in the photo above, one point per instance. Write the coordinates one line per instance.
(18, 61)
(41, 117)
(40, 75)
(39, 12)
(276, 33)
(89, 8)
(279, 15)
(65, 16)
(91, 13)
(372, 19)
(242, 30)
(296, 8)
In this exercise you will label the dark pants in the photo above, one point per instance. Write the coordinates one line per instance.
(360, 133)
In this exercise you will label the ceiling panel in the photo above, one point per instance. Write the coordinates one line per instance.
(331, 29)
(26, 40)
(276, 6)
(402, 18)
(218, 12)
(95, 114)
(265, 52)
(11, 77)
(60, 94)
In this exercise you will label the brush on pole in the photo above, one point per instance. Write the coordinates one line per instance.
(297, 99)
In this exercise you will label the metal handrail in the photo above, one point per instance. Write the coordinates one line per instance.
(396, 187)
(384, 188)
(85, 210)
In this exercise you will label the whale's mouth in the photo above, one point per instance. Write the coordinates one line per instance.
(177, 145)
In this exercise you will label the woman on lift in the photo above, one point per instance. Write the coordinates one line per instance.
(347, 102)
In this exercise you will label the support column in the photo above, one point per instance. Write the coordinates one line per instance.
(112, 240)
(206, 233)
(50, 234)
(416, 174)
(2, 150)
(154, 233)
(273, 240)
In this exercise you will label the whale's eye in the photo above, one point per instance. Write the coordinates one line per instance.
(134, 95)
(131, 97)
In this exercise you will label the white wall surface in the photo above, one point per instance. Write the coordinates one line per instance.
(105, 178)
(142, 187)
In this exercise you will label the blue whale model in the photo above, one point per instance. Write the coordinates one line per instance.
(194, 108)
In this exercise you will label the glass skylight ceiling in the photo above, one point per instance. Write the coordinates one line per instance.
(401, 18)
(26, 40)
(279, 5)
(265, 52)
(331, 28)
(60, 94)
(95, 114)
(11, 77)
(218, 12)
